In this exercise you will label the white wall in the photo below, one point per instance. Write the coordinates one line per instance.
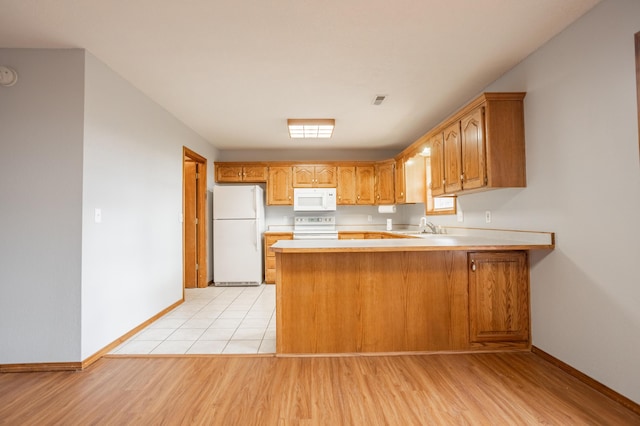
(70, 286)
(40, 206)
(132, 260)
(583, 173)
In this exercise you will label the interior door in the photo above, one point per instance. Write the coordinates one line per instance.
(190, 224)
(194, 187)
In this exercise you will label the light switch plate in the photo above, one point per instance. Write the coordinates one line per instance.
(487, 216)
(97, 215)
(460, 216)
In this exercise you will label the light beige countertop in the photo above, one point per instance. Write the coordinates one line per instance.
(453, 239)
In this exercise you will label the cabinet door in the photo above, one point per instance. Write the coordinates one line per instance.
(415, 180)
(325, 177)
(226, 173)
(303, 176)
(279, 188)
(346, 191)
(498, 296)
(254, 173)
(437, 164)
(365, 185)
(400, 188)
(270, 257)
(474, 168)
(384, 183)
(452, 158)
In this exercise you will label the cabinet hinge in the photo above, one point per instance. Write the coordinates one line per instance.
(196, 220)
(197, 266)
(197, 175)
(486, 180)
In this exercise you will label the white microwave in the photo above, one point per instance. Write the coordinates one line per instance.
(314, 199)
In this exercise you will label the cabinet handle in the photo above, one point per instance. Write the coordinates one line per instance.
(473, 265)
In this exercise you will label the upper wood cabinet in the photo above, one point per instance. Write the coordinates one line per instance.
(479, 147)
(384, 185)
(240, 172)
(279, 186)
(356, 185)
(365, 185)
(399, 179)
(436, 162)
(411, 179)
(415, 179)
(452, 160)
(484, 145)
(314, 176)
(346, 189)
(474, 170)
(498, 296)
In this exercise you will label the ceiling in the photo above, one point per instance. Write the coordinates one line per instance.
(235, 70)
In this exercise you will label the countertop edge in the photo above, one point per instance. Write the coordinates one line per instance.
(371, 249)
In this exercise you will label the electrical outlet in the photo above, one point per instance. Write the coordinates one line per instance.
(369, 218)
(460, 216)
(487, 216)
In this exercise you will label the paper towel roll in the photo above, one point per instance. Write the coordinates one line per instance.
(387, 209)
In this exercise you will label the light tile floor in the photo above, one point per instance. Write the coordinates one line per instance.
(212, 320)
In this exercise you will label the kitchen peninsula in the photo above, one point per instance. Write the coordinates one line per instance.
(462, 292)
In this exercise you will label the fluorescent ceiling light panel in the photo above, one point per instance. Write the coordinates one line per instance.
(300, 128)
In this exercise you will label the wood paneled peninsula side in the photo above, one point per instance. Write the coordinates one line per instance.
(467, 292)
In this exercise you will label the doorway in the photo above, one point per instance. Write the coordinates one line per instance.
(194, 229)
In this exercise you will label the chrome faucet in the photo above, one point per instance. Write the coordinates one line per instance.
(424, 225)
(431, 227)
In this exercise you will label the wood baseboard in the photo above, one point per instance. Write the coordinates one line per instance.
(102, 352)
(40, 367)
(605, 390)
(75, 366)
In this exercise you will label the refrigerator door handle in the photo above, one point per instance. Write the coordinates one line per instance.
(257, 231)
(255, 200)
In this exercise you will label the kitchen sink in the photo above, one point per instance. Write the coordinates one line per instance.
(416, 233)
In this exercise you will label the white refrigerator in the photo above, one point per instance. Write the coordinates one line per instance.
(238, 224)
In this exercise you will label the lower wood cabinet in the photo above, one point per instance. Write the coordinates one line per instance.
(402, 301)
(498, 296)
(269, 257)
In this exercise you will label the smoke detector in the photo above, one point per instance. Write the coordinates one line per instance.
(8, 76)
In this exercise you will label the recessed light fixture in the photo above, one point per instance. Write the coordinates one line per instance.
(311, 127)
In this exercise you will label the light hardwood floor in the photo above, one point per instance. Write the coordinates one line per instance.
(475, 389)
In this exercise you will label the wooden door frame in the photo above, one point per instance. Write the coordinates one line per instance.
(637, 42)
(201, 215)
